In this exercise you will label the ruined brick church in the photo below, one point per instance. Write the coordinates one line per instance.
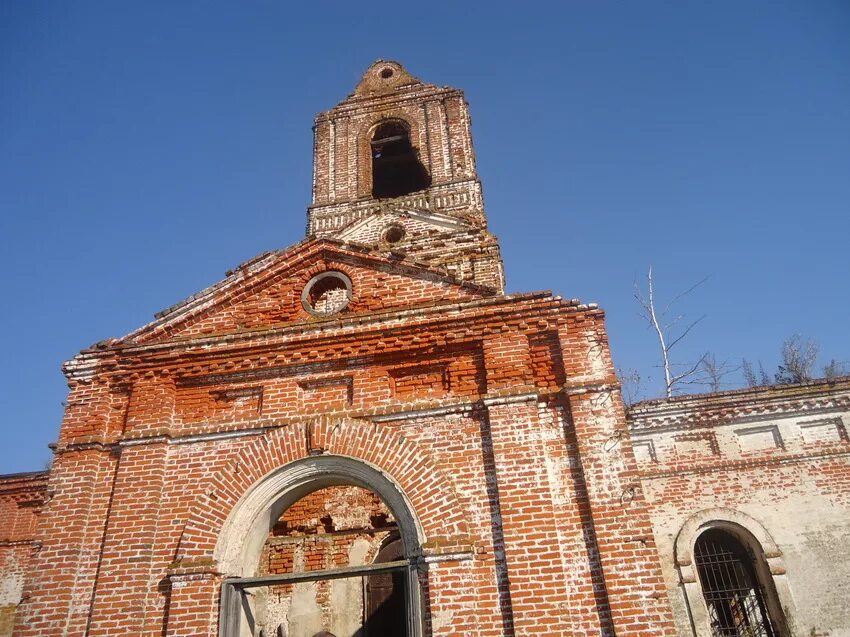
(362, 435)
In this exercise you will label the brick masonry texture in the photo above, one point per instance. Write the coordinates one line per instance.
(446, 225)
(526, 501)
(22, 496)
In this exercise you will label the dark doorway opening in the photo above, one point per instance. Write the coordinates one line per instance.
(396, 169)
(386, 608)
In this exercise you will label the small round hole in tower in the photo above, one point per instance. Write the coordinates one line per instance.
(394, 234)
(386, 72)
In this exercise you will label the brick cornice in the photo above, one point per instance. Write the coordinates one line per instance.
(702, 410)
(355, 104)
(385, 413)
(835, 451)
(14, 484)
(433, 325)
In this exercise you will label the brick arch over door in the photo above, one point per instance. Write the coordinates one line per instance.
(429, 494)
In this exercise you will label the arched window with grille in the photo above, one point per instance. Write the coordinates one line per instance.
(738, 601)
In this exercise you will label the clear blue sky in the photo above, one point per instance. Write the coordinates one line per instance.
(147, 147)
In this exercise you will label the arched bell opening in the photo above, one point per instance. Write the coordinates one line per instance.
(396, 168)
(328, 526)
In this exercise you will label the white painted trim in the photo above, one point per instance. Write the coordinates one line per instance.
(241, 540)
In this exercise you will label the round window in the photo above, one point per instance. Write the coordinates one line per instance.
(326, 293)
(394, 234)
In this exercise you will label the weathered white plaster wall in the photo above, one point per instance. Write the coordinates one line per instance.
(786, 466)
(11, 585)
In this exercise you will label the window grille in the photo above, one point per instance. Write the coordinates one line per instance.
(733, 595)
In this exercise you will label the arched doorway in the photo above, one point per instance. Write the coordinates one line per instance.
(329, 515)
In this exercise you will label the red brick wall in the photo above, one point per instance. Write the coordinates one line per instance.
(268, 296)
(21, 499)
(478, 411)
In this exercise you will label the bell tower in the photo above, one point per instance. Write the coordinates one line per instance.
(394, 169)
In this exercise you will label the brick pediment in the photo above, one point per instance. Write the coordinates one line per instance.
(373, 230)
(291, 286)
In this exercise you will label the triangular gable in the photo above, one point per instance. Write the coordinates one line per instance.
(383, 77)
(371, 230)
(270, 290)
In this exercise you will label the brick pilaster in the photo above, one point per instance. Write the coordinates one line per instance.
(127, 574)
(194, 605)
(621, 527)
(69, 534)
(539, 601)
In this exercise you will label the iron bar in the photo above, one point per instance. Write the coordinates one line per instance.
(314, 576)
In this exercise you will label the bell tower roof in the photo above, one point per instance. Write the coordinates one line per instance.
(393, 163)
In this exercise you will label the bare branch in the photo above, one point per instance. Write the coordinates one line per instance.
(712, 373)
(659, 332)
(691, 371)
(798, 360)
(835, 369)
(662, 332)
(686, 292)
(674, 321)
(764, 379)
(632, 385)
(685, 333)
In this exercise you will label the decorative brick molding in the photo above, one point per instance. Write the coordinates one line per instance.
(266, 465)
(775, 474)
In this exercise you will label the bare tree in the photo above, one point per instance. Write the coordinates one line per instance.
(632, 384)
(749, 374)
(663, 326)
(712, 373)
(798, 356)
(798, 360)
(763, 377)
(835, 369)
